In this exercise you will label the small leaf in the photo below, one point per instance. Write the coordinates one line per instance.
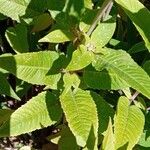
(17, 38)
(108, 141)
(140, 15)
(103, 33)
(80, 58)
(58, 36)
(41, 111)
(129, 124)
(124, 66)
(81, 114)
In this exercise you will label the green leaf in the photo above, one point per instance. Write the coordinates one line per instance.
(124, 66)
(103, 79)
(15, 9)
(81, 58)
(104, 32)
(139, 47)
(71, 80)
(104, 110)
(4, 115)
(108, 141)
(34, 68)
(140, 15)
(58, 36)
(42, 22)
(17, 38)
(144, 139)
(129, 124)
(81, 115)
(5, 87)
(41, 111)
(67, 140)
(146, 67)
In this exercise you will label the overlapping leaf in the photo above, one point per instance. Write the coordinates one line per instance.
(17, 37)
(80, 59)
(34, 68)
(41, 111)
(129, 124)
(5, 87)
(16, 9)
(81, 114)
(140, 15)
(108, 142)
(124, 66)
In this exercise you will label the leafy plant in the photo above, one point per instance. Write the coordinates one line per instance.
(81, 67)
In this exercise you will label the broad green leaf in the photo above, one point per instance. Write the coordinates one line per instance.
(81, 115)
(4, 115)
(67, 140)
(103, 79)
(17, 38)
(129, 124)
(104, 32)
(14, 9)
(42, 22)
(109, 141)
(124, 66)
(5, 87)
(81, 58)
(41, 111)
(140, 15)
(104, 110)
(34, 68)
(58, 36)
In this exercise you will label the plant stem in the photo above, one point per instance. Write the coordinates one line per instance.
(99, 15)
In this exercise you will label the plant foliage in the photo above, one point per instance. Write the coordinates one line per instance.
(79, 67)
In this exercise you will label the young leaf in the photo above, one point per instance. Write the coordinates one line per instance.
(35, 68)
(80, 58)
(123, 65)
(41, 111)
(58, 36)
(140, 15)
(103, 33)
(109, 140)
(17, 38)
(67, 140)
(129, 124)
(5, 87)
(81, 114)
